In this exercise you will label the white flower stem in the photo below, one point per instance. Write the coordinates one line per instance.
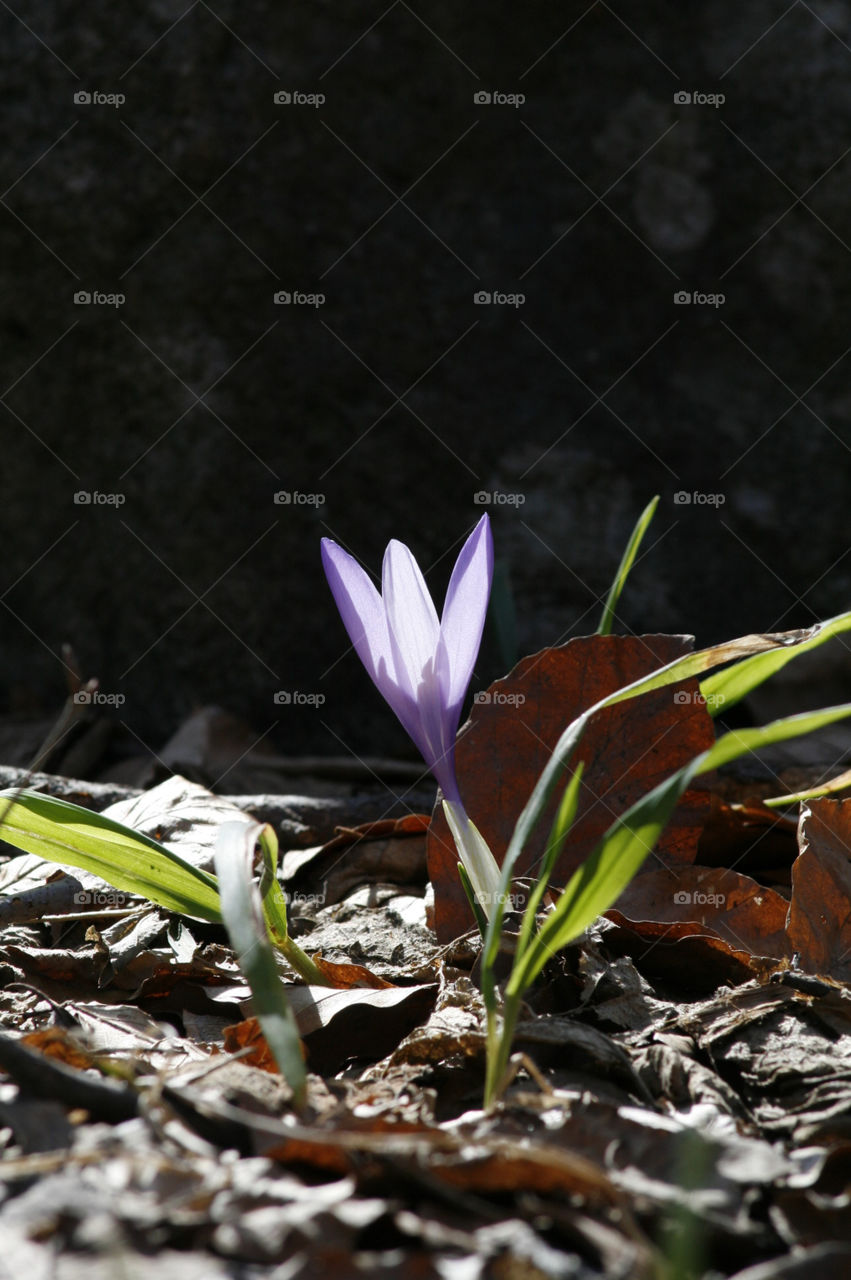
(479, 863)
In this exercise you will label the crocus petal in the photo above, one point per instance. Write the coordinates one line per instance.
(464, 614)
(435, 732)
(411, 615)
(480, 864)
(365, 619)
(362, 612)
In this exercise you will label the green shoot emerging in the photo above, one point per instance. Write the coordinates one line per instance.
(616, 589)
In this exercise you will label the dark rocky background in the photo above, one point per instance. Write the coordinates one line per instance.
(398, 399)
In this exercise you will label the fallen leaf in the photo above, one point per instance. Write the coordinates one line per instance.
(349, 975)
(627, 749)
(391, 851)
(247, 1035)
(56, 1043)
(747, 836)
(681, 954)
(748, 916)
(356, 1023)
(820, 911)
(181, 815)
(339, 1025)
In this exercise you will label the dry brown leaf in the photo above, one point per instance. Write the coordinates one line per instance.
(349, 975)
(820, 911)
(56, 1043)
(627, 749)
(748, 916)
(682, 953)
(247, 1035)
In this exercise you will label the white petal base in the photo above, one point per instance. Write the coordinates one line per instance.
(479, 863)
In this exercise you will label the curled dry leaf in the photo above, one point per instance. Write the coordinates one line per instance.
(734, 907)
(682, 954)
(627, 749)
(390, 851)
(56, 1043)
(820, 912)
(746, 835)
(246, 1035)
(349, 975)
(339, 1025)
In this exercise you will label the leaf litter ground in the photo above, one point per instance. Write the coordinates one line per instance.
(682, 1103)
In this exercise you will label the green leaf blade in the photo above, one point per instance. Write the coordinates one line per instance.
(72, 836)
(242, 908)
(563, 821)
(616, 589)
(598, 883)
(724, 689)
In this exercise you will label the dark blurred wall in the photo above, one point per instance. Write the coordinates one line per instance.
(657, 150)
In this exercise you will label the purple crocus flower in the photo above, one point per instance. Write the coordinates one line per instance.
(420, 664)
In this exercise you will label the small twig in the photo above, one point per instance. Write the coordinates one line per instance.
(68, 717)
(342, 767)
(516, 1063)
(63, 1017)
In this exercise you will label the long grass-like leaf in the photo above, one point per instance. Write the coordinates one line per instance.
(616, 589)
(562, 823)
(830, 788)
(598, 883)
(242, 908)
(727, 683)
(65, 833)
(724, 689)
